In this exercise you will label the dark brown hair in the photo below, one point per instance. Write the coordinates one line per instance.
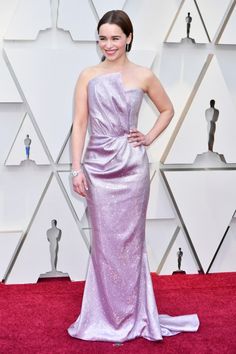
(121, 19)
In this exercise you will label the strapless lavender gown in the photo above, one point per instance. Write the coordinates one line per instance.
(118, 301)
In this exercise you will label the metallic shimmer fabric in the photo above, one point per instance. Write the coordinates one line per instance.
(118, 301)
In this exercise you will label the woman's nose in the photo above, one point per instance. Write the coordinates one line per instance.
(108, 43)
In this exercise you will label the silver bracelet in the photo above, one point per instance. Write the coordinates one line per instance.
(75, 173)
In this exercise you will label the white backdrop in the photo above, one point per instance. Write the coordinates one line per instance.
(45, 44)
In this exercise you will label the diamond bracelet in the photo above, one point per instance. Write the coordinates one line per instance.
(75, 173)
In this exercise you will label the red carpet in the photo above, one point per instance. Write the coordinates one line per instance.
(34, 318)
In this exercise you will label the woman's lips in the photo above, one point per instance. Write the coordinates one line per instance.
(110, 52)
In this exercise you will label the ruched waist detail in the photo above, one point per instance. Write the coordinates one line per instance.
(110, 135)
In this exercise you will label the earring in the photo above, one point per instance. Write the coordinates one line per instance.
(127, 47)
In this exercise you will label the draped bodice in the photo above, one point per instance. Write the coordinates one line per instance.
(113, 109)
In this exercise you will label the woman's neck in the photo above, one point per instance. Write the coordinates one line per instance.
(118, 64)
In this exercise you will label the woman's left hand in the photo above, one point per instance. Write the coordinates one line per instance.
(137, 138)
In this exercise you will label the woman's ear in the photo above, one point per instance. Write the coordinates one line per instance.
(129, 38)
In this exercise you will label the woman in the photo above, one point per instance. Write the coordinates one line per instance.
(118, 301)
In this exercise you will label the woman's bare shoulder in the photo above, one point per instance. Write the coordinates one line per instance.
(144, 75)
(143, 72)
(88, 73)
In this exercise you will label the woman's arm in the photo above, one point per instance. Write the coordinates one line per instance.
(162, 102)
(79, 129)
(159, 97)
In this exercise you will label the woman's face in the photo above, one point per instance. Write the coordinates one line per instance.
(112, 41)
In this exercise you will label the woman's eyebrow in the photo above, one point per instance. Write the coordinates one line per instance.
(115, 36)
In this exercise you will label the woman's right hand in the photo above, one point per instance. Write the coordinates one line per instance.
(80, 185)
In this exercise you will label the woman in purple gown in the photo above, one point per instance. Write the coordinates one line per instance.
(118, 301)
